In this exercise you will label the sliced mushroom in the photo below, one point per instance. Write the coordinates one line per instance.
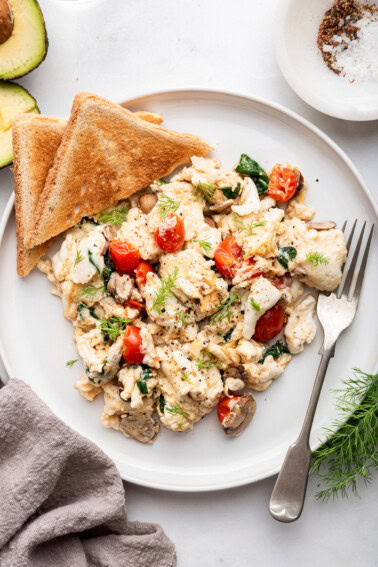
(323, 225)
(221, 207)
(299, 178)
(147, 202)
(235, 370)
(240, 415)
(210, 222)
(141, 427)
(120, 286)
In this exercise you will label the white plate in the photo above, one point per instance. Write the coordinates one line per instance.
(296, 27)
(36, 340)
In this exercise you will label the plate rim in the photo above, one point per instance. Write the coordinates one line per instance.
(352, 113)
(221, 485)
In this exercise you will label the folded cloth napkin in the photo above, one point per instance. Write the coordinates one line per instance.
(62, 502)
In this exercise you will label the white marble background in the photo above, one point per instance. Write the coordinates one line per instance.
(122, 48)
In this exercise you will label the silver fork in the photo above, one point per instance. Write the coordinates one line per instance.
(336, 312)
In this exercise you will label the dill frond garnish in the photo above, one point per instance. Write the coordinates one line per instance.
(315, 258)
(350, 453)
(255, 305)
(183, 317)
(223, 310)
(167, 205)
(185, 377)
(111, 328)
(240, 224)
(177, 410)
(79, 258)
(70, 363)
(116, 216)
(207, 363)
(165, 291)
(205, 245)
(204, 191)
(90, 291)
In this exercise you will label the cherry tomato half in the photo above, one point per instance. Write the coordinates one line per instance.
(141, 272)
(228, 257)
(225, 407)
(283, 183)
(132, 342)
(136, 305)
(270, 324)
(170, 235)
(124, 255)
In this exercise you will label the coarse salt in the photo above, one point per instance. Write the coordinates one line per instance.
(357, 59)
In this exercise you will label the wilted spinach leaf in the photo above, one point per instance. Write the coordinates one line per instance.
(286, 254)
(250, 167)
(275, 350)
(142, 382)
(231, 193)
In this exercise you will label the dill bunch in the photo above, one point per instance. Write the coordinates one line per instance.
(350, 454)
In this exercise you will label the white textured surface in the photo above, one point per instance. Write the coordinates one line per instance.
(122, 49)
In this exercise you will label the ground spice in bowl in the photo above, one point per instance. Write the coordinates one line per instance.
(348, 40)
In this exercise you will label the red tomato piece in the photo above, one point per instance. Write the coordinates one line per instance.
(132, 342)
(283, 183)
(228, 257)
(170, 235)
(141, 272)
(225, 407)
(136, 305)
(124, 255)
(270, 324)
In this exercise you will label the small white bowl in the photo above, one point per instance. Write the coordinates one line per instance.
(296, 29)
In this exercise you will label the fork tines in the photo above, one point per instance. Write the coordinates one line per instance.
(352, 275)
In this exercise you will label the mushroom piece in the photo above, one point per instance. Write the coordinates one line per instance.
(299, 178)
(120, 287)
(221, 207)
(241, 412)
(210, 222)
(140, 426)
(147, 202)
(323, 225)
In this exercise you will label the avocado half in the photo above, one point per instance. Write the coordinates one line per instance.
(27, 44)
(13, 100)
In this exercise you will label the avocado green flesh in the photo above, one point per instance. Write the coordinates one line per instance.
(26, 48)
(13, 100)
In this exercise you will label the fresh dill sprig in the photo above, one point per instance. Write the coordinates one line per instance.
(315, 258)
(207, 363)
(165, 291)
(204, 191)
(185, 377)
(79, 258)
(205, 245)
(115, 216)
(167, 205)
(111, 328)
(90, 291)
(183, 317)
(255, 305)
(240, 224)
(350, 453)
(70, 363)
(177, 410)
(223, 310)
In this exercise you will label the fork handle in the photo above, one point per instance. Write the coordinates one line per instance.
(286, 502)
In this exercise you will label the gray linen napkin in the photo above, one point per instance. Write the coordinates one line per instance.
(62, 502)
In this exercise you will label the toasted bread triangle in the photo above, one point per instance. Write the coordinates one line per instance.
(106, 154)
(36, 139)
